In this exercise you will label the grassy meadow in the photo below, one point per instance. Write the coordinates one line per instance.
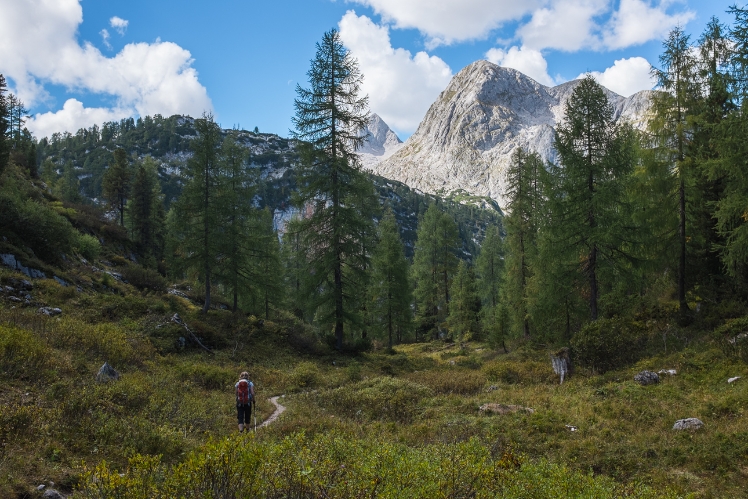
(400, 423)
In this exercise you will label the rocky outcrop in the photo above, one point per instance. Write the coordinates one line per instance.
(11, 261)
(468, 135)
(645, 378)
(381, 142)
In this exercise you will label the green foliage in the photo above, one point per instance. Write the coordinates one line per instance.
(116, 183)
(732, 338)
(144, 278)
(22, 354)
(465, 306)
(607, 344)
(88, 247)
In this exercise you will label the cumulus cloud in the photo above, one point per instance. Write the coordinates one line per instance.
(636, 22)
(565, 25)
(119, 24)
(401, 87)
(525, 60)
(449, 21)
(74, 116)
(38, 45)
(626, 76)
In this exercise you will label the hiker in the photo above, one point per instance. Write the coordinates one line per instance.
(245, 397)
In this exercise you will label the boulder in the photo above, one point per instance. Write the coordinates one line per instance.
(49, 311)
(688, 424)
(107, 373)
(733, 380)
(505, 409)
(645, 378)
(52, 494)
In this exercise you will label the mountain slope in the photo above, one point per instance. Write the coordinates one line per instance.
(466, 139)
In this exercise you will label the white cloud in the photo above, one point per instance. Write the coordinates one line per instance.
(38, 45)
(626, 76)
(105, 38)
(565, 25)
(525, 60)
(119, 24)
(449, 21)
(401, 87)
(73, 116)
(637, 22)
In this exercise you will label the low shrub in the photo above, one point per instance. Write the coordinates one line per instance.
(143, 278)
(607, 344)
(732, 338)
(22, 354)
(513, 372)
(450, 381)
(304, 376)
(88, 247)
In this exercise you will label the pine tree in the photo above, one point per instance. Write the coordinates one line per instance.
(490, 269)
(329, 118)
(592, 230)
(4, 125)
(197, 226)
(671, 129)
(146, 214)
(390, 287)
(434, 264)
(465, 304)
(524, 196)
(116, 183)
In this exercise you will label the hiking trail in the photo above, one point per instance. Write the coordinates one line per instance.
(279, 409)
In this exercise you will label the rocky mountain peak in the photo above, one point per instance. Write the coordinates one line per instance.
(467, 137)
(381, 142)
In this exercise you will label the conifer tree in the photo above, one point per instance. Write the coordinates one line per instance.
(198, 216)
(390, 287)
(434, 264)
(672, 132)
(295, 269)
(464, 305)
(329, 117)
(592, 230)
(524, 195)
(146, 213)
(116, 183)
(266, 269)
(490, 274)
(4, 125)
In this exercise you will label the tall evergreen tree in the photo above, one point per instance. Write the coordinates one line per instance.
(329, 117)
(490, 273)
(116, 183)
(198, 208)
(4, 125)
(146, 213)
(592, 230)
(390, 288)
(434, 264)
(524, 195)
(266, 269)
(465, 304)
(671, 129)
(295, 273)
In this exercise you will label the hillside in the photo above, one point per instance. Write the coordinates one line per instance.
(89, 152)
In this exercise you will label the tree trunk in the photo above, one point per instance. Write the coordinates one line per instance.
(682, 240)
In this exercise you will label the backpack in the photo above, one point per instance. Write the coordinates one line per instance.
(243, 395)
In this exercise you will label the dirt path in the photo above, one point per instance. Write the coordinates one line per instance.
(276, 413)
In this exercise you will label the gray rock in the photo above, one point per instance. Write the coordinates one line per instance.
(52, 312)
(15, 299)
(503, 409)
(61, 282)
(107, 373)
(733, 380)
(52, 494)
(669, 372)
(645, 378)
(688, 424)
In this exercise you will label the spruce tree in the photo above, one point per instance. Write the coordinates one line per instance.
(524, 195)
(390, 286)
(592, 230)
(116, 183)
(198, 209)
(329, 118)
(4, 125)
(464, 305)
(434, 264)
(490, 270)
(672, 132)
(265, 269)
(146, 213)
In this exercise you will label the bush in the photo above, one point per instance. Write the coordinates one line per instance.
(607, 344)
(88, 247)
(732, 337)
(143, 278)
(21, 353)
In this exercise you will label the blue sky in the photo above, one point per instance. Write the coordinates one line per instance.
(79, 62)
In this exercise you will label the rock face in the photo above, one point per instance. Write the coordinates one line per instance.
(381, 143)
(688, 424)
(645, 378)
(467, 137)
